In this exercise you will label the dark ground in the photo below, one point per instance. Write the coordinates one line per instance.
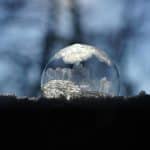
(119, 122)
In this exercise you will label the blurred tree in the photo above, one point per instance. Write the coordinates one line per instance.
(31, 30)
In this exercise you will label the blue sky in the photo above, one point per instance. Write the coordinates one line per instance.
(23, 30)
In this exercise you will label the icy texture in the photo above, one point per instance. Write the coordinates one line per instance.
(79, 68)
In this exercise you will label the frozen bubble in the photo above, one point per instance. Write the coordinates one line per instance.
(79, 68)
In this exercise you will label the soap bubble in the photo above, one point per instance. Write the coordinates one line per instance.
(79, 69)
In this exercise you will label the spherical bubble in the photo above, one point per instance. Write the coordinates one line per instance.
(79, 69)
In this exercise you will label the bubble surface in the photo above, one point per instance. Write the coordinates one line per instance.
(77, 69)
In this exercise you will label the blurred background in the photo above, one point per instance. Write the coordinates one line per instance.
(33, 30)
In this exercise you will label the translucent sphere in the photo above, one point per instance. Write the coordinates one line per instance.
(79, 69)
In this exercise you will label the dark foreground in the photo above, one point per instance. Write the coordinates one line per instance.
(110, 122)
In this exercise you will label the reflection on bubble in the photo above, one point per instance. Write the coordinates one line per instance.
(78, 69)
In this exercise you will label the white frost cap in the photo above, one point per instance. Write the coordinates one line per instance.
(79, 52)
